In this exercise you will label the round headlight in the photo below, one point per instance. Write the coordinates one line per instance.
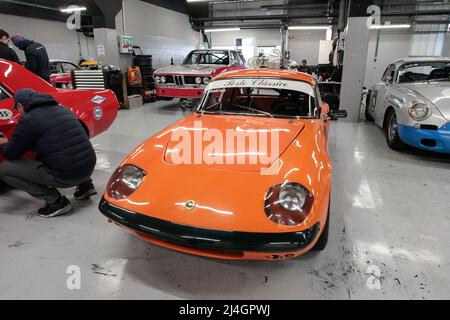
(163, 79)
(158, 79)
(125, 181)
(198, 80)
(288, 204)
(419, 112)
(206, 80)
(293, 197)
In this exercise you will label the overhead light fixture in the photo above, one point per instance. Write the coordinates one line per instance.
(222, 30)
(391, 26)
(309, 27)
(73, 9)
(220, 1)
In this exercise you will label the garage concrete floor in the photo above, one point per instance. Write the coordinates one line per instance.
(389, 234)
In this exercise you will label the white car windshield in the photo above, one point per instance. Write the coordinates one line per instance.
(208, 57)
(424, 71)
(260, 97)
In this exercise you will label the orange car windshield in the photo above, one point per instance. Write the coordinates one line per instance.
(282, 102)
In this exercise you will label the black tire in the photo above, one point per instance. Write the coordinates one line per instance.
(323, 240)
(392, 136)
(368, 105)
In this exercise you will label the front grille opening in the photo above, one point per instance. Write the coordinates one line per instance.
(189, 80)
(429, 143)
(170, 244)
(429, 127)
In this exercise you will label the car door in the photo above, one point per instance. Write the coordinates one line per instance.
(379, 93)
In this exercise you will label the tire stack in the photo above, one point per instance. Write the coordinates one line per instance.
(145, 63)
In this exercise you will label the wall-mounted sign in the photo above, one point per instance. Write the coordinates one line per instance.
(126, 44)
(101, 51)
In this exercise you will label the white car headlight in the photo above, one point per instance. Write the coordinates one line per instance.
(293, 197)
(288, 204)
(163, 79)
(158, 79)
(198, 80)
(419, 111)
(125, 181)
(206, 80)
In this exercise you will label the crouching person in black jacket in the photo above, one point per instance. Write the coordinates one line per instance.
(65, 156)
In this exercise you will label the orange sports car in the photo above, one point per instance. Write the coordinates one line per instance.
(246, 176)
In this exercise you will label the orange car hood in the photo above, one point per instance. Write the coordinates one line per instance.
(227, 198)
(270, 137)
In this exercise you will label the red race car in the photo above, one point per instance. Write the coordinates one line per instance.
(96, 109)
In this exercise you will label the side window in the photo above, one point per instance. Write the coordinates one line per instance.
(389, 73)
(242, 58)
(237, 58)
(68, 67)
(53, 67)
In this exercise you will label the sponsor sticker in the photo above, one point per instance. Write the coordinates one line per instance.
(5, 114)
(98, 113)
(98, 99)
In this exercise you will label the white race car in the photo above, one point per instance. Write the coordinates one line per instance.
(412, 102)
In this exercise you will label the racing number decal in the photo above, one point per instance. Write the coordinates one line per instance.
(98, 113)
(5, 114)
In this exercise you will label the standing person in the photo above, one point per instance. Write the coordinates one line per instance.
(65, 157)
(36, 54)
(304, 67)
(5, 51)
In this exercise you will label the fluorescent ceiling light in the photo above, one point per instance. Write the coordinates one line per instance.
(222, 30)
(391, 26)
(309, 28)
(220, 1)
(72, 9)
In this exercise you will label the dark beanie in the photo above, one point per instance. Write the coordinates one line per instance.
(23, 97)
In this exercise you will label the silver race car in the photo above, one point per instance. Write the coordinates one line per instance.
(412, 102)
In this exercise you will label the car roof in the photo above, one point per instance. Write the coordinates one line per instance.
(267, 73)
(420, 59)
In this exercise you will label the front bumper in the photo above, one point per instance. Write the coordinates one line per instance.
(195, 93)
(215, 243)
(431, 140)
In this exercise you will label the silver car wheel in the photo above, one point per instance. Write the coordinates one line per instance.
(393, 127)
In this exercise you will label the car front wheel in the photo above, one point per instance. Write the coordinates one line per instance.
(392, 136)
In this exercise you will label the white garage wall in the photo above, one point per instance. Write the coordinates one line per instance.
(160, 32)
(61, 43)
(304, 45)
(392, 46)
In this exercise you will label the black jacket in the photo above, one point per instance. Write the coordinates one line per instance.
(37, 60)
(56, 135)
(8, 54)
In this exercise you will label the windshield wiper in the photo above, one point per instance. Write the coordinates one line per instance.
(255, 110)
(212, 106)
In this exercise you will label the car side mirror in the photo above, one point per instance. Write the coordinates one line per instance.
(338, 114)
